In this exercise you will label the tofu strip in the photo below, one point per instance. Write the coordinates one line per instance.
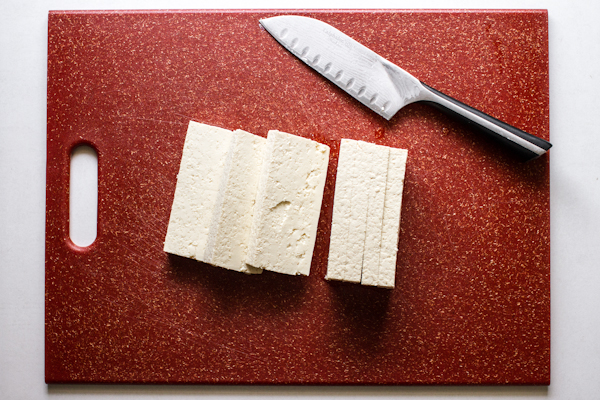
(376, 174)
(391, 217)
(349, 219)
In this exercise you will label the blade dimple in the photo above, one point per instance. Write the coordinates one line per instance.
(362, 91)
(373, 99)
(327, 68)
(293, 43)
(350, 83)
(316, 59)
(339, 75)
(284, 33)
(304, 51)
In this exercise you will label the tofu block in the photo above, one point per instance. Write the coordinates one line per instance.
(288, 204)
(229, 233)
(366, 214)
(198, 181)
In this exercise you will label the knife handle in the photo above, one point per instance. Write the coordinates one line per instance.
(525, 145)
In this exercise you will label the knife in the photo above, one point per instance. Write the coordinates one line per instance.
(381, 85)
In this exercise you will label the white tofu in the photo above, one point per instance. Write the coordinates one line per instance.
(229, 233)
(198, 182)
(376, 173)
(288, 204)
(366, 214)
(349, 219)
(391, 217)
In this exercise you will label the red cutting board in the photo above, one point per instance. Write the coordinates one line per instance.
(472, 298)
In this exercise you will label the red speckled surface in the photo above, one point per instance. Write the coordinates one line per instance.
(472, 297)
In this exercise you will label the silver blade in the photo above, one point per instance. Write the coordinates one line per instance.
(366, 76)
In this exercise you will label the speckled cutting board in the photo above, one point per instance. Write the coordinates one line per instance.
(472, 297)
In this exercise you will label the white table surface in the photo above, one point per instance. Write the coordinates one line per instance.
(574, 33)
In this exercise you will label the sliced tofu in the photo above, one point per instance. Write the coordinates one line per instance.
(391, 217)
(288, 204)
(376, 174)
(229, 234)
(349, 219)
(366, 214)
(198, 181)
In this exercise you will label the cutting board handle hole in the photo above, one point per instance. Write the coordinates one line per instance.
(83, 195)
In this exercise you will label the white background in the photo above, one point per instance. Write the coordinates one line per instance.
(574, 30)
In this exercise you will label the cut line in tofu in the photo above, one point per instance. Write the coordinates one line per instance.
(366, 214)
(229, 234)
(288, 204)
(198, 182)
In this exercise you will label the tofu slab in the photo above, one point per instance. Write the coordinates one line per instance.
(198, 181)
(229, 233)
(288, 204)
(366, 214)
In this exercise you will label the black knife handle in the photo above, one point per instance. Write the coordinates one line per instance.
(526, 146)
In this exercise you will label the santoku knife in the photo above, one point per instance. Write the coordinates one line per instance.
(379, 84)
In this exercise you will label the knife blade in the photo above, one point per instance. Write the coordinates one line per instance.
(381, 85)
